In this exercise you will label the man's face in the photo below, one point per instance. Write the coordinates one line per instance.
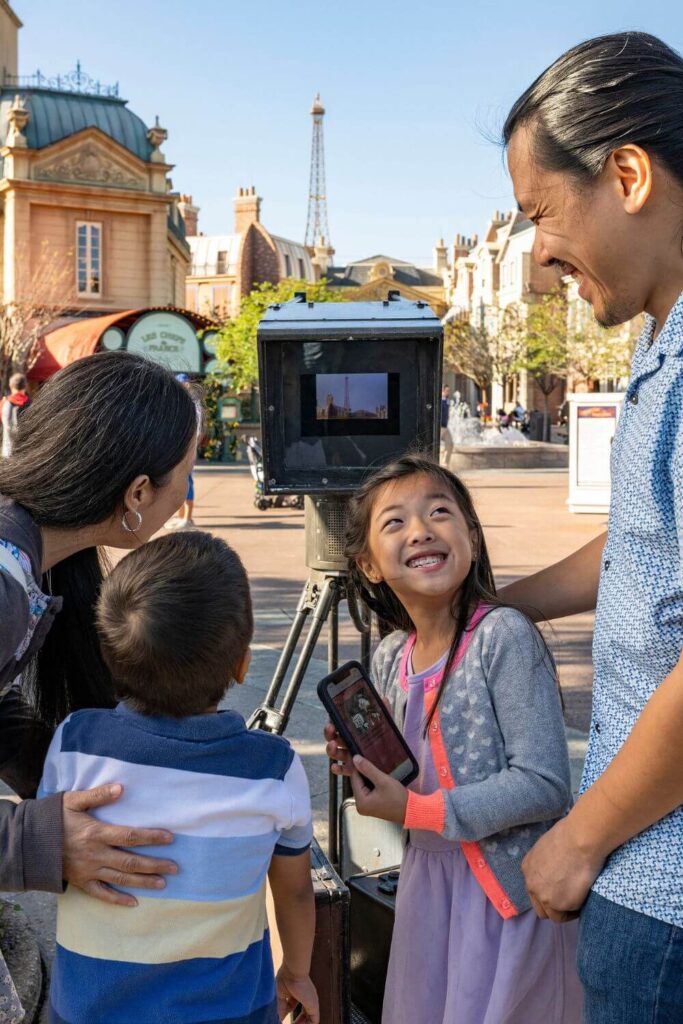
(583, 230)
(446, 391)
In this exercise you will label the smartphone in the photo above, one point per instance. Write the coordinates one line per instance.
(362, 719)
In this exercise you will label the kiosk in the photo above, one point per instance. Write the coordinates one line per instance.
(593, 421)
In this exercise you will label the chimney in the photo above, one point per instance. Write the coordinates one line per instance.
(440, 257)
(247, 209)
(462, 245)
(189, 213)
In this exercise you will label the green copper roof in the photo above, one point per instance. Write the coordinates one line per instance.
(56, 115)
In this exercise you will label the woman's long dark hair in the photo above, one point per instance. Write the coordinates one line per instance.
(478, 587)
(602, 94)
(93, 428)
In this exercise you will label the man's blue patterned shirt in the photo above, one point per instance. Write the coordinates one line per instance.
(639, 620)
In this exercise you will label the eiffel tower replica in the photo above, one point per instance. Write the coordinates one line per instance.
(317, 237)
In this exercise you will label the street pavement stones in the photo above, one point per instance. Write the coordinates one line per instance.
(527, 527)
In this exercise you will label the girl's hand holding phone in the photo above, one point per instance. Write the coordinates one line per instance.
(388, 799)
(337, 752)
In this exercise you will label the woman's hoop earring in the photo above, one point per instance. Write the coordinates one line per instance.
(124, 521)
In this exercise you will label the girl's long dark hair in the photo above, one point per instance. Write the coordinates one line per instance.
(479, 586)
(602, 94)
(92, 429)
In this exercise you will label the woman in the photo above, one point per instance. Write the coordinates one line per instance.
(595, 148)
(101, 459)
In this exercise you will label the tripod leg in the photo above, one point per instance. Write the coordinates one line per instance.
(333, 782)
(266, 715)
(328, 595)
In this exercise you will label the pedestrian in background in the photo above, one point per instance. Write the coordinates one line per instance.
(446, 439)
(595, 151)
(13, 407)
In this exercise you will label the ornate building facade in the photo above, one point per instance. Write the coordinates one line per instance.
(87, 209)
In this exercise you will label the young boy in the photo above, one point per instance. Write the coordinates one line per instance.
(175, 625)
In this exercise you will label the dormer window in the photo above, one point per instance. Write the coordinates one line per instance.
(88, 259)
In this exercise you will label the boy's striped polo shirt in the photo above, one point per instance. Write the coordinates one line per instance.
(197, 951)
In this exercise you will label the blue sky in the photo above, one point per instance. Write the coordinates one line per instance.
(413, 90)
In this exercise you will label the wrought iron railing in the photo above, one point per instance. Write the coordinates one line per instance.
(75, 81)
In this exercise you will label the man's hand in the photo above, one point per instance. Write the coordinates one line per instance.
(291, 991)
(91, 858)
(559, 873)
(387, 800)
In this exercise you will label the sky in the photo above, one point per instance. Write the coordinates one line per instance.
(415, 95)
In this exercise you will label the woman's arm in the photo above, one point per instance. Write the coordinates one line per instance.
(565, 588)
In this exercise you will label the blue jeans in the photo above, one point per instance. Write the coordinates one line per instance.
(630, 965)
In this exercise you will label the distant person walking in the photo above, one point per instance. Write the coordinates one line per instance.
(446, 439)
(595, 150)
(12, 408)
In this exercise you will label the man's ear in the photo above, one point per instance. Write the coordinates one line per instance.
(367, 568)
(241, 671)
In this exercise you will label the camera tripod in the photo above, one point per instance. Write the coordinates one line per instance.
(320, 598)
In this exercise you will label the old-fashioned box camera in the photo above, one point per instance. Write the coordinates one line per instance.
(345, 388)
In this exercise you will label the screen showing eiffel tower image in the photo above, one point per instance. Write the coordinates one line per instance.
(345, 404)
(352, 396)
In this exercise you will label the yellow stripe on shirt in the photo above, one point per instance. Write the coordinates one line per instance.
(159, 931)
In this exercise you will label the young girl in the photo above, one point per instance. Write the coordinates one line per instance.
(473, 688)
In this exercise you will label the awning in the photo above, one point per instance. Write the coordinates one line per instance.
(68, 341)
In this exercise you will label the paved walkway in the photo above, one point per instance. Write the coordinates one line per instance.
(527, 527)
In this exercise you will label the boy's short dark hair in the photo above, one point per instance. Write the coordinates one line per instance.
(175, 620)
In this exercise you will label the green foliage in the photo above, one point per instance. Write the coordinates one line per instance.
(546, 356)
(236, 342)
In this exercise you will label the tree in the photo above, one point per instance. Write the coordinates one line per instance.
(236, 343)
(546, 347)
(24, 319)
(488, 353)
(598, 353)
(467, 351)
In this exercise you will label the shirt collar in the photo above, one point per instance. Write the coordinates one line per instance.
(193, 727)
(670, 338)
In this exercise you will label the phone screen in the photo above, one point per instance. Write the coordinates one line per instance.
(367, 721)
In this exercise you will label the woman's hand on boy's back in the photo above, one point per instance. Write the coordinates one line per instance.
(92, 858)
(389, 798)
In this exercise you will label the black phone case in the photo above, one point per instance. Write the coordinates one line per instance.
(336, 677)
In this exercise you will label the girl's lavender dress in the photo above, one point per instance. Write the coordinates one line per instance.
(454, 960)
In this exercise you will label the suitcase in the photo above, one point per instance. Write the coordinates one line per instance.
(367, 844)
(373, 900)
(330, 964)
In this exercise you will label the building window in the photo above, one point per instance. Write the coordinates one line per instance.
(302, 270)
(222, 262)
(288, 266)
(88, 258)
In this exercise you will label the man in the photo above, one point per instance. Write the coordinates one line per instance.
(12, 408)
(446, 439)
(595, 149)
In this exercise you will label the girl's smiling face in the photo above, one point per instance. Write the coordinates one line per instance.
(419, 541)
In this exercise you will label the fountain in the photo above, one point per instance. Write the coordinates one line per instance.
(478, 446)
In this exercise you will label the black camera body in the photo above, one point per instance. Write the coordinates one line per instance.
(346, 387)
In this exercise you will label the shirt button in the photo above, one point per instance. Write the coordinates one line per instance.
(506, 904)
(607, 564)
(597, 727)
(435, 726)
(634, 398)
(481, 863)
(443, 772)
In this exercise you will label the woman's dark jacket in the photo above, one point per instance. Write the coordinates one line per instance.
(30, 831)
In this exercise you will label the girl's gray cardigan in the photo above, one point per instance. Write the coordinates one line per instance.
(498, 743)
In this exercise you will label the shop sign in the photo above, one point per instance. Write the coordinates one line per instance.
(166, 338)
